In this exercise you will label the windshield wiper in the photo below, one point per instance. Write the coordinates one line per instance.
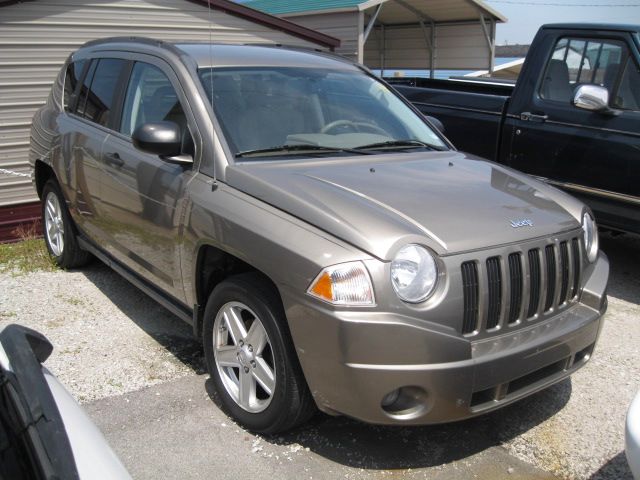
(297, 149)
(409, 143)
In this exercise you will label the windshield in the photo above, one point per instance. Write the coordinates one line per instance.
(265, 111)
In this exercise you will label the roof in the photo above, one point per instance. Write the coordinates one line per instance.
(618, 27)
(283, 7)
(227, 55)
(393, 13)
(259, 17)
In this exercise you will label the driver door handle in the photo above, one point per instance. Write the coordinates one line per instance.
(532, 117)
(114, 159)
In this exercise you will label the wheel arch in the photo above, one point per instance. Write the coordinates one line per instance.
(213, 266)
(42, 173)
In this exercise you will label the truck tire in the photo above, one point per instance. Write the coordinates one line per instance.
(59, 230)
(251, 358)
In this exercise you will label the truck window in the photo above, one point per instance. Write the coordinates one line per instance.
(628, 94)
(577, 62)
(97, 102)
(152, 98)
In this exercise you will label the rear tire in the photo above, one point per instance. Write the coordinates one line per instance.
(251, 359)
(59, 230)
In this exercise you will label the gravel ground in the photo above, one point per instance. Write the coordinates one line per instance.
(111, 339)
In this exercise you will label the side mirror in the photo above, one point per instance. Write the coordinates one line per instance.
(158, 138)
(435, 122)
(591, 97)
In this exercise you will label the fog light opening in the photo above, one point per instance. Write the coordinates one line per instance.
(405, 402)
(390, 398)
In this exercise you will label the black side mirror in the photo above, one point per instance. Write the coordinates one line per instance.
(158, 138)
(435, 122)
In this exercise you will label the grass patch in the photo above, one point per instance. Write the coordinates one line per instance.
(29, 254)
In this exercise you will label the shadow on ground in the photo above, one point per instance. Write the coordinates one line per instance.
(359, 445)
(617, 468)
(624, 281)
(165, 328)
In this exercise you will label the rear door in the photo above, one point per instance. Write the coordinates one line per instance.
(592, 155)
(143, 194)
(84, 129)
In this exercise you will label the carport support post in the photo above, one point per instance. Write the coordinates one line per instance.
(430, 40)
(381, 47)
(489, 34)
(370, 25)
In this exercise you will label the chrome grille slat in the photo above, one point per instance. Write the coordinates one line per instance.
(494, 286)
(577, 270)
(564, 272)
(505, 289)
(471, 296)
(534, 283)
(550, 262)
(515, 282)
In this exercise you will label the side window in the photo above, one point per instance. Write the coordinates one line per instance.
(97, 102)
(84, 89)
(71, 80)
(151, 98)
(627, 96)
(580, 61)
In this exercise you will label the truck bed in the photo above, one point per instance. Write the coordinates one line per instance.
(472, 111)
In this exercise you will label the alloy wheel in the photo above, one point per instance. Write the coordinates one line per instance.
(244, 357)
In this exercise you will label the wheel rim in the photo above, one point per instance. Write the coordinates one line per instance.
(244, 357)
(54, 224)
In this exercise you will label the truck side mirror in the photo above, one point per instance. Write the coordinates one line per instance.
(591, 97)
(435, 122)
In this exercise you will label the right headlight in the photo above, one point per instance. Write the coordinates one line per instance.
(590, 232)
(414, 273)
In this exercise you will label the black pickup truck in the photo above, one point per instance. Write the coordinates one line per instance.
(572, 118)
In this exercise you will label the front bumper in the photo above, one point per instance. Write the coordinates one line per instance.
(352, 360)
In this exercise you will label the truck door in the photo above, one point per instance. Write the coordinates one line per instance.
(143, 194)
(593, 155)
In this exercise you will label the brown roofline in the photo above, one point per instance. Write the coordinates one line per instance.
(272, 21)
(257, 16)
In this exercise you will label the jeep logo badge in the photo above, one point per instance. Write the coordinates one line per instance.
(525, 222)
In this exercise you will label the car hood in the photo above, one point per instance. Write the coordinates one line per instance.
(449, 201)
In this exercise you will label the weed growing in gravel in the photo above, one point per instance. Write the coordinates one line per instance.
(27, 255)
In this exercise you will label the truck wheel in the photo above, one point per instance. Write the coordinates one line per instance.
(251, 359)
(59, 232)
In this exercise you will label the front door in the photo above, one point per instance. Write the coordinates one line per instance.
(143, 194)
(592, 155)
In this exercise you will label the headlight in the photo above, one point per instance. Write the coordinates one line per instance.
(344, 284)
(413, 273)
(590, 231)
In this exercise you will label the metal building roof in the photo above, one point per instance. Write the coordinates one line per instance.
(395, 11)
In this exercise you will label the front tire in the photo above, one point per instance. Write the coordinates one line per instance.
(251, 359)
(59, 231)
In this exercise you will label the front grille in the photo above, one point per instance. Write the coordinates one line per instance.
(550, 273)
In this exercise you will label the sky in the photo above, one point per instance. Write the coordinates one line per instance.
(526, 16)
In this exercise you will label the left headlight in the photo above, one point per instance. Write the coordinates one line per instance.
(345, 284)
(590, 232)
(414, 273)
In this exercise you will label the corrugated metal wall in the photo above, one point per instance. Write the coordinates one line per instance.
(345, 25)
(36, 38)
(461, 46)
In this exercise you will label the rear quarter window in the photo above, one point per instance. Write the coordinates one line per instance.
(72, 79)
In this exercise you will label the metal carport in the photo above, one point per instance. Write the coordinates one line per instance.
(400, 34)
